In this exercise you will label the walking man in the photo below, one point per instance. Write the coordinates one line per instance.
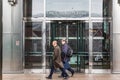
(65, 58)
(57, 63)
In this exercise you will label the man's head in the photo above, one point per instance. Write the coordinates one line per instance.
(63, 41)
(54, 43)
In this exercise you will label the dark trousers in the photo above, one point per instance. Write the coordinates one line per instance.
(53, 69)
(67, 67)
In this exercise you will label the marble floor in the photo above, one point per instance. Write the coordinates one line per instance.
(55, 77)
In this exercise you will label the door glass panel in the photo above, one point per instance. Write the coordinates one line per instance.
(66, 8)
(34, 31)
(77, 34)
(97, 29)
(33, 8)
(33, 45)
(101, 45)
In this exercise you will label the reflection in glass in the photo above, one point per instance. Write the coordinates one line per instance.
(97, 8)
(101, 60)
(75, 31)
(101, 45)
(33, 45)
(98, 29)
(33, 29)
(97, 45)
(48, 38)
(77, 34)
(60, 30)
(101, 8)
(33, 62)
(73, 28)
(66, 8)
(33, 36)
(101, 34)
(33, 8)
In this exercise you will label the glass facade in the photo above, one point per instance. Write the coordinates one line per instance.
(67, 8)
(85, 24)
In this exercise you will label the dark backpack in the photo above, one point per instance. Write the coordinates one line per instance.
(69, 52)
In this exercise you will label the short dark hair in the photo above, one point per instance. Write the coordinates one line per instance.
(64, 40)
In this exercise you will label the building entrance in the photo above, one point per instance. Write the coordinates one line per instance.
(77, 35)
(91, 45)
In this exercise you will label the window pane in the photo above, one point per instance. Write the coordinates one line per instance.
(33, 8)
(98, 29)
(33, 29)
(67, 8)
(101, 60)
(101, 8)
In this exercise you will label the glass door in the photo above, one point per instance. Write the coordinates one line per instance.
(33, 45)
(76, 33)
(101, 46)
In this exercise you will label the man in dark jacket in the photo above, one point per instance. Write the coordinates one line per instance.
(57, 63)
(65, 58)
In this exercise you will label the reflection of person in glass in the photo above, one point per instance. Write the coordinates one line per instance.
(65, 58)
(57, 63)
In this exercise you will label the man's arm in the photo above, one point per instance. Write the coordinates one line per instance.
(56, 53)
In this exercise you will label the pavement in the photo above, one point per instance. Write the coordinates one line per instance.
(77, 76)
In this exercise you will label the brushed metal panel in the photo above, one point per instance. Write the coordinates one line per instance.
(116, 36)
(7, 52)
(17, 62)
(116, 17)
(17, 17)
(12, 38)
(6, 17)
(116, 53)
(0, 39)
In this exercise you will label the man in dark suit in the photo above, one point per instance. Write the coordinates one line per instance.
(65, 58)
(57, 63)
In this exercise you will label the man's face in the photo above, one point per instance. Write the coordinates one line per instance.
(63, 42)
(54, 43)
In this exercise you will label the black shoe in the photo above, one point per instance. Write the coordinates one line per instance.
(72, 74)
(48, 77)
(65, 77)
